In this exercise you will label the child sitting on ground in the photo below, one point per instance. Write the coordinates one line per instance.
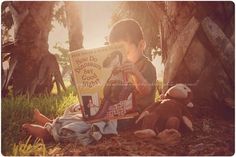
(141, 73)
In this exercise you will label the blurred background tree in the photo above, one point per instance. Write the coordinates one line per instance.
(28, 48)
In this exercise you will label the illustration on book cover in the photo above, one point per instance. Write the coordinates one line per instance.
(104, 90)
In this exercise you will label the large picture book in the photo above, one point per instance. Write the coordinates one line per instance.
(104, 90)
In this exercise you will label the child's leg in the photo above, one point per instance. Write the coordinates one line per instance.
(40, 118)
(37, 131)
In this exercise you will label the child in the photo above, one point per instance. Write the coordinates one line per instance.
(142, 75)
(138, 67)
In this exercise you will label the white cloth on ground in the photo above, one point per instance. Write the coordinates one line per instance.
(71, 128)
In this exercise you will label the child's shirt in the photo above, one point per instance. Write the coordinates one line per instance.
(148, 71)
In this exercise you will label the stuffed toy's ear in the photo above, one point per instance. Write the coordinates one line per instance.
(190, 105)
(179, 91)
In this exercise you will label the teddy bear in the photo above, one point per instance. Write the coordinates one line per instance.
(169, 113)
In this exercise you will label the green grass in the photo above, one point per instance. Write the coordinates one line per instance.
(19, 110)
(38, 148)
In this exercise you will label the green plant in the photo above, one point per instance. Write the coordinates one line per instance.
(19, 110)
(27, 149)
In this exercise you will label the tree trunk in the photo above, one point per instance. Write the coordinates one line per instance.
(178, 50)
(74, 25)
(206, 66)
(32, 23)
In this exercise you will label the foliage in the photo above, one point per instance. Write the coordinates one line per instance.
(63, 59)
(26, 149)
(59, 13)
(19, 110)
(7, 21)
(32, 35)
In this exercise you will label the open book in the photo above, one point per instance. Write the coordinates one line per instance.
(104, 91)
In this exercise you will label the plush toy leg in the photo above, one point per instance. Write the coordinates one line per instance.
(150, 120)
(173, 123)
(148, 126)
(146, 133)
(169, 137)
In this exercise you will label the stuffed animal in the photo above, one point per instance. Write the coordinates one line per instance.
(169, 113)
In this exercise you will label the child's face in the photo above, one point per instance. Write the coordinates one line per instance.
(132, 49)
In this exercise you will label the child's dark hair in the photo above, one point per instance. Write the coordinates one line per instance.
(127, 30)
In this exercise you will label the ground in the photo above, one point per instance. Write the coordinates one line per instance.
(213, 132)
(212, 135)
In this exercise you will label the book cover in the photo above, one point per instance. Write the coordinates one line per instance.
(104, 91)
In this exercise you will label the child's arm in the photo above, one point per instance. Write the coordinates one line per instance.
(141, 84)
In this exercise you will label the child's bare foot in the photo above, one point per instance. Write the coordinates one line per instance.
(36, 111)
(37, 131)
(26, 126)
(36, 114)
(40, 118)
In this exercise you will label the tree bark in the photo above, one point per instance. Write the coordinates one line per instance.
(222, 45)
(31, 41)
(206, 64)
(74, 25)
(178, 50)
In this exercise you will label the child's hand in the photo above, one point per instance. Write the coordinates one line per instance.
(129, 67)
(141, 84)
(162, 96)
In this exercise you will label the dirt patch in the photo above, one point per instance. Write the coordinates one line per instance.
(212, 135)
